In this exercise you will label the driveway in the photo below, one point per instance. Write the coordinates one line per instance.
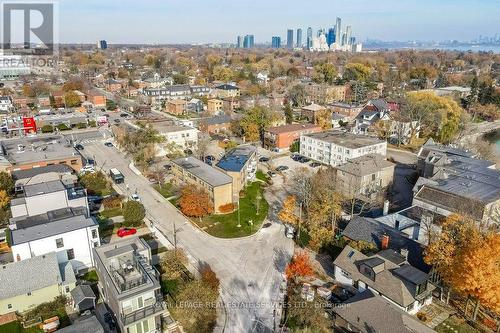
(250, 269)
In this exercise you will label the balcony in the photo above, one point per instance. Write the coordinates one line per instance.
(143, 313)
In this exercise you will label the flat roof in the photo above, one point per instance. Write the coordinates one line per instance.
(50, 224)
(291, 128)
(170, 128)
(203, 171)
(44, 188)
(236, 158)
(344, 139)
(36, 149)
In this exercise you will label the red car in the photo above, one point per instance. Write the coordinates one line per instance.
(122, 232)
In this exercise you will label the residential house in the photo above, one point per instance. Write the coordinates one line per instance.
(240, 164)
(198, 90)
(215, 106)
(248, 102)
(176, 106)
(346, 109)
(215, 124)
(335, 147)
(6, 104)
(374, 111)
(460, 92)
(364, 177)
(282, 137)
(33, 152)
(339, 120)
(225, 91)
(215, 182)
(368, 312)
(20, 101)
(276, 100)
(31, 282)
(87, 324)
(195, 106)
(230, 104)
(58, 98)
(97, 99)
(176, 137)
(157, 81)
(311, 111)
(130, 285)
(262, 78)
(157, 95)
(324, 93)
(112, 85)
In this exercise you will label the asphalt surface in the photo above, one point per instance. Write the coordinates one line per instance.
(250, 269)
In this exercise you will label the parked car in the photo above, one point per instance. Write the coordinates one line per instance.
(123, 231)
(87, 169)
(289, 231)
(264, 159)
(282, 168)
(117, 121)
(315, 164)
(272, 173)
(135, 197)
(90, 161)
(296, 157)
(275, 150)
(123, 115)
(209, 158)
(167, 167)
(304, 159)
(79, 146)
(108, 144)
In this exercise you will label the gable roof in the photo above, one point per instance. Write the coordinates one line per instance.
(365, 165)
(371, 313)
(370, 230)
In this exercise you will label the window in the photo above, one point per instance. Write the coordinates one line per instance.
(94, 233)
(96, 244)
(71, 254)
(67, 289)
(59, 243)
(73, 162)
(9, 306)
(29, 294)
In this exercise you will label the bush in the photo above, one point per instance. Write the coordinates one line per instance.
(95, 182)
(228, 208)
(63, 127)
(294, 147)
(133, 213)
(422, 316)
(47, 129)
(209, 277)
(112, 202)
(6, 182)
(92, 123)
(81, 125)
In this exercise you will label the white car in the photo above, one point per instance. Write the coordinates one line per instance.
(289, 231)
(135, 197)
(87, 169)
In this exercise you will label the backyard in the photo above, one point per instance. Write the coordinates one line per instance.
(226, 226)
(16, 327)
(455, 325)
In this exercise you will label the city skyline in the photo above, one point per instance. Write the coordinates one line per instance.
(153, 21)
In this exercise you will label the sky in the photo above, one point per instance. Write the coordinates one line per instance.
(215, 21)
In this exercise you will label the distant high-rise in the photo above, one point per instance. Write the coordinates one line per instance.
(338, 30)
(344, 39)
(248, 41)
(330, 39)
(289, 38)
(348, 33)
(102, 44)
(276, 42)
(299, 38)
(309, 37)
(239, 42)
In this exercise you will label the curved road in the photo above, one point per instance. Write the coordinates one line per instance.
(250, 269)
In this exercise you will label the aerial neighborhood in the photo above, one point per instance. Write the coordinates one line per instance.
(236, 188)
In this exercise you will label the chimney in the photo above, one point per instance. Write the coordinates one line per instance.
(386, 208)
(404, 253)
(384, 241)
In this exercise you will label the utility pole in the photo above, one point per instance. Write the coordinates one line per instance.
(175, 234)
(300, 220)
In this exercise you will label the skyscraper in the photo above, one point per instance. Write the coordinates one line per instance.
(338, 30)
(102, 44)
(239, 42)
(299, 38)
(289, 38)
(309, 37)
(330, 39)
(276, 42)
(348, 32)
(248, 41)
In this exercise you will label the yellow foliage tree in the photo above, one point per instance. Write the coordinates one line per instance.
(287, 213)
(4, 199)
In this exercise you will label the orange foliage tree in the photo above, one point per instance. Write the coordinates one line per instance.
(195, 202)
(300, 266)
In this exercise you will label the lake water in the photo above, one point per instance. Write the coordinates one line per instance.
(463, 48)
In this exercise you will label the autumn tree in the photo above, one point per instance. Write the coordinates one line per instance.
(173, 264)
(223, 73)
(287, 213)
(71, 99)
(356, 72)
(6, 182)
(133, 213)
(325, 73)
(300, 266)
(255, 122)
(323, 119)
(195, 202)
(297, 95)
(288, 113)
(209, 277)
(4, 199)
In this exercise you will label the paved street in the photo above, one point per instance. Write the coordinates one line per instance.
(249, 269)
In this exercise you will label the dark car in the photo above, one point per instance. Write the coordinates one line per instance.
(79, 146)
(188, 152)
(296, 157)
(304, 159)
(108, 144)
(167, 167)
(209, 159)
(282, 168)
(271, 173)
(116, 121)
(123, 115)
(90, 161)
(315, 164)
(264, 159)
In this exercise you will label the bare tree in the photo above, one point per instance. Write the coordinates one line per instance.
(302, 186)
(203, 144)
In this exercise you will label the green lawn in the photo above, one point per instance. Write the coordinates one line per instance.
(261, 176)
(455, 324)
(166, 190)
(225, 226)
(91, 276)
(111, 212)
(16, 327)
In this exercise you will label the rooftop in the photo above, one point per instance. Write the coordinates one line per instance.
(27, 229)
(30, 173)
(167, 127)
(365, 165)
(292, 128)
(236, 158)
(37, 273)
(36, 149)
(203, 171)
(227, 87)
(344, 139)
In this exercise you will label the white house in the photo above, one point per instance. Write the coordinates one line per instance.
(386, 274)
(182, 137)
(336, 147)
(262, 78)
(5, 104)
(70, 232)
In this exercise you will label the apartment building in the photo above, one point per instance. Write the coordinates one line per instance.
(311, 111)
(215, 106)
(215, 124)
(183, 137)
(33, 152)
(364, 177)
(130, 285)
(179, 91)
(282, 137)
(240, 164)
(6, 104)
(324, 93)
(346, 109)
(336, 147)
(215, 182)
(225, 90)
(177, 106)
(34, 281)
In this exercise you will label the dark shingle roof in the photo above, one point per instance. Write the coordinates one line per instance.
(30, 173)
